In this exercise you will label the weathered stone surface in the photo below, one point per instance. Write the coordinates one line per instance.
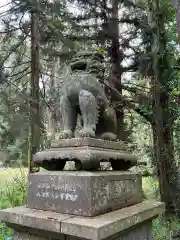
(116, 225)
(90, 142)
(142, 231)
(104, 226)
(26, 236)
(88, 152)
(82, 93)
(42, 220)
(34, 233)
(83, 193)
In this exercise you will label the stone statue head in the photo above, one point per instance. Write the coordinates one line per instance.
(89, 62)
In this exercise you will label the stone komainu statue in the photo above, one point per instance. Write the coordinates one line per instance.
(82, 92)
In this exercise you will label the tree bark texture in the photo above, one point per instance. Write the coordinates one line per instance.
(116, 73)
(34, 102)
(167, 171)
(162, 119)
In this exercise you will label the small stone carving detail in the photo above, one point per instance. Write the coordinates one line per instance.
(82, 92)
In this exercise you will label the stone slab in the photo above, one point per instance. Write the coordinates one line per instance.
(29, 233)
(27, 236)
(104, 226)
(141, 231)
(89, 157)
(83, 153)
(83, 193)
(90, 142)
(87, 153)
(109, 225)
(42, 220)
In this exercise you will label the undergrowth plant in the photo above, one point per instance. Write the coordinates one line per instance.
(13, 193)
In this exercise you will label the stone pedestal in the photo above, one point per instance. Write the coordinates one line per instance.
(87, 153)
(79, 205)
(83, 193)
(129, 223)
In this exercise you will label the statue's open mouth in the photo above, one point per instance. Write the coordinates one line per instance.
(79, 65)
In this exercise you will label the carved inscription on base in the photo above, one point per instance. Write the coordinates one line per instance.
(82, 195)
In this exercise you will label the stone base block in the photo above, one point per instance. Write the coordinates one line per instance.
(83, 193)
(125, 224)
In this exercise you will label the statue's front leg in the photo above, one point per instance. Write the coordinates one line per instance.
(69, 118)
(88, 107)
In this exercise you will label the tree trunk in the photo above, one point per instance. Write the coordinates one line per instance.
(34, 103)
(162, 119)
(116, 74)
(167, 171)
(51, 113)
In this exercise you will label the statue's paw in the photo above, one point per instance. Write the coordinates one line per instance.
(65, 134)
(109, 136)
(87, 132)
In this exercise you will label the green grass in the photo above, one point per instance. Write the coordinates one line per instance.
(7, 174)
(13, 188)
(13, 192)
